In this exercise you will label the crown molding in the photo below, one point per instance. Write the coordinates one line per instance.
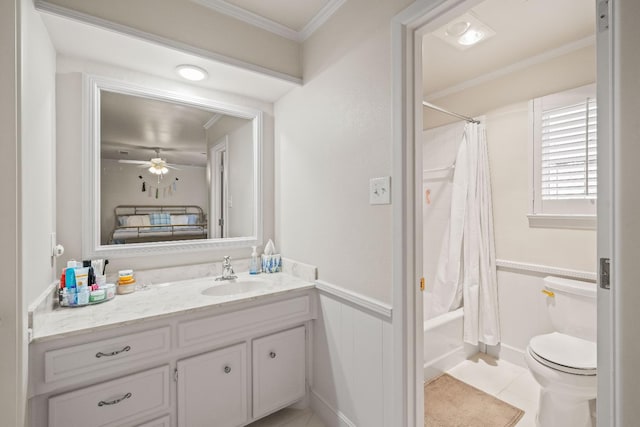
(320, 18)
(267, 24)
(212, 121)
(250, 18)
(517, 66)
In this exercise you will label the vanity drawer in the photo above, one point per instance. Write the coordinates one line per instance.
(114, 402)
(85, 358)
(217, 329)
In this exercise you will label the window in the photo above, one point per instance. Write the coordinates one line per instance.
(564, 167)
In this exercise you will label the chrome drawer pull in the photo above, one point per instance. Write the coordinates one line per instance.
(116, 401)
(227, 369)
(272, 355)
(113, 353)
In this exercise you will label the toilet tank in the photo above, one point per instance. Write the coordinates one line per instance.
(573, 307)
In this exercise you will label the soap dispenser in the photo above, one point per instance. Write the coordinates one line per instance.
(253, 263)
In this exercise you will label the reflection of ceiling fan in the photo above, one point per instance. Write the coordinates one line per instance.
(156, 165)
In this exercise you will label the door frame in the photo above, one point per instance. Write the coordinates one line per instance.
(406, 60)
(219, 188)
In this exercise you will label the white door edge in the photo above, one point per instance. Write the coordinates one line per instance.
(606, 336)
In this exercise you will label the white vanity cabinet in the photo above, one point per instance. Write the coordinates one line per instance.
(213, 388)
(223, 367)
(279, 370)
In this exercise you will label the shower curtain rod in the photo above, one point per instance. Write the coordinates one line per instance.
(442, 110)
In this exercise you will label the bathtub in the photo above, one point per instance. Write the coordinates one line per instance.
(443, 345)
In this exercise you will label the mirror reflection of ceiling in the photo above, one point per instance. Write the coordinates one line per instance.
(132, 127)
(523, 29)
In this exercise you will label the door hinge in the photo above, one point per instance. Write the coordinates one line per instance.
(422, 284)
(605, 267)
(175, 375)
(603, 15)
(220, 222)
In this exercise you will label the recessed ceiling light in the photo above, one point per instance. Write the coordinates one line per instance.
(471, 37)
(191, 72)
(457, 29)
(464, 32)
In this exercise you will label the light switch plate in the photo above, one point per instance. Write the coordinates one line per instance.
(380, 191)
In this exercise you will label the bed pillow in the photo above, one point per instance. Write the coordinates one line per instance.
(160, 218)
(180, 220)
(137, 221)
(193, 219)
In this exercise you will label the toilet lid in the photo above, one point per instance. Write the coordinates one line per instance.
(565, 353)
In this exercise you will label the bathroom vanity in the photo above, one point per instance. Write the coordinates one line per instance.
(191, 353)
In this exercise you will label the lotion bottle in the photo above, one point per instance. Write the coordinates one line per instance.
(253, 262)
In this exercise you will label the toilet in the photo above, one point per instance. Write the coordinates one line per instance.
(563, 362)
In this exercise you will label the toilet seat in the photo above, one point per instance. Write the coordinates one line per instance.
(565, 353)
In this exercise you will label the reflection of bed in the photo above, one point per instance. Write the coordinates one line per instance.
(139, 224)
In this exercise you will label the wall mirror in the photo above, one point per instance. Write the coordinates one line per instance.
(165, 171)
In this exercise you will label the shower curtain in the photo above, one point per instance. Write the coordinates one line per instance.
(466, 270)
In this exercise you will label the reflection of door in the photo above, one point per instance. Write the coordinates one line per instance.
(219, 189)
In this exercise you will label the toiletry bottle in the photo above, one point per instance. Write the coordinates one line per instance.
(253, 263)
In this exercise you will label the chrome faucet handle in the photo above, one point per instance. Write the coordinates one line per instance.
(226, 261)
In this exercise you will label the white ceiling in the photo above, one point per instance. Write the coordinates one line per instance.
(524, 29)
(139, 125)
(78, 40)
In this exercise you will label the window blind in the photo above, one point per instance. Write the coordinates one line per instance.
(569, 152)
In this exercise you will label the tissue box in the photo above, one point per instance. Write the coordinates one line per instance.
(271, 263)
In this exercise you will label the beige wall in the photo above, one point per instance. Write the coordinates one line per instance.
(240, 176)
(626, 265)
(507, 139)
(186, 22)
(568, 71)
(333, 135)
(12, 306)
(38, 153)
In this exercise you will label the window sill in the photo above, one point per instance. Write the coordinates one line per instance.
(571, 222)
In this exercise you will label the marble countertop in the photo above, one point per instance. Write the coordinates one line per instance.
(157, 301)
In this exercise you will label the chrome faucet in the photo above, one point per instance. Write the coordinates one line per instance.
(227, 270)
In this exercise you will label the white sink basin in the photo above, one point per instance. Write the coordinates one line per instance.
(235, 287)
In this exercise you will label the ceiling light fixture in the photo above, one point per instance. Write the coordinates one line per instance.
(158, 168)
(471, 37)
(464, 32)
(191, 72)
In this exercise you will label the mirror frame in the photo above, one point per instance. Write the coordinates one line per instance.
(91, 168)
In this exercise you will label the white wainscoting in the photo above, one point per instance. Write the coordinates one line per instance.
(352, 359)
(522, 305)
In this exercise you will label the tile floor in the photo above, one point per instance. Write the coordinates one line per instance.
(508, 382)
(290, 417)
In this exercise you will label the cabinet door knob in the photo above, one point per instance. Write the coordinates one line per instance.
(272, 355)
(227, 369)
